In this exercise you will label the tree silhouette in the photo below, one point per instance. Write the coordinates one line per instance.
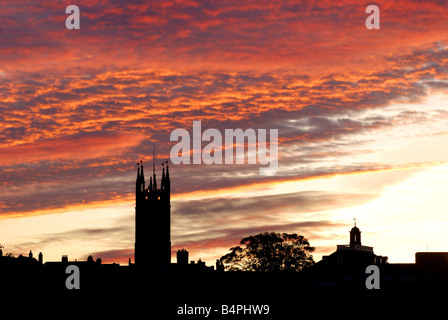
(4, 254)
(270, 251)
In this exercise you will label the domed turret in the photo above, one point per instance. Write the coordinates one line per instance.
(355, 236)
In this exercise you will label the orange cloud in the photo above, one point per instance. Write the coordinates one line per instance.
(314, 37)
(79, 146)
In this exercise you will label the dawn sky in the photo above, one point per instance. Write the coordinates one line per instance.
(362, 120)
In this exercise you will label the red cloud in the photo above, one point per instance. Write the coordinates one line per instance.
(311, 36)
(79, 146)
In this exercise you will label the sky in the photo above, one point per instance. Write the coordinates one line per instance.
(361, 117)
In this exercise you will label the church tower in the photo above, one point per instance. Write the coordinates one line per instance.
(355, 236)
(152, 220)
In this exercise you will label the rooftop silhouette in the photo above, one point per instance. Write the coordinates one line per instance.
(25, 277)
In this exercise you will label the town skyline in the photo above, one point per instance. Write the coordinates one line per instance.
(361, 116)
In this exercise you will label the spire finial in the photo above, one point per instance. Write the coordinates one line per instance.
(354, 219)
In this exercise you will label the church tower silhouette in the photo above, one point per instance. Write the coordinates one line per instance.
(152, 220)
(355, 236)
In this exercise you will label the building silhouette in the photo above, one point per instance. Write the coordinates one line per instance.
(153, 273)
(182, 256)
(152, 220)
(353, 254)
(347, 265)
